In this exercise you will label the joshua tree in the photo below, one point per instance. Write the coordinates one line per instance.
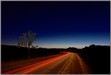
(36, 46)
(26, 40)
(31, 38)
(23, 40)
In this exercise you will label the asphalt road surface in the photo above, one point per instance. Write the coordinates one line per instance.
(68, 63)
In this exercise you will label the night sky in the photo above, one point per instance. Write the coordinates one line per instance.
(57, 24)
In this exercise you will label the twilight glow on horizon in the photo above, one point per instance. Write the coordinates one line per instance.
(57, 24)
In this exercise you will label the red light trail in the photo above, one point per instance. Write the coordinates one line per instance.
(37, 65)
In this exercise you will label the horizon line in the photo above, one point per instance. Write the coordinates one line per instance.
(60, 47)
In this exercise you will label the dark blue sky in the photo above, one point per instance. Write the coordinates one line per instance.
(57, 24)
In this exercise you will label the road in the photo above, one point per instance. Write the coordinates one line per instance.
(68, 63)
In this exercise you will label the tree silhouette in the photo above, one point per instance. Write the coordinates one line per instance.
(36, 46)
(23, 40)
(26, 40)
(31, 38)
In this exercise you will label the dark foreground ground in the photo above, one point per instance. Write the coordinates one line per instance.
(67, 63)
(92, 59)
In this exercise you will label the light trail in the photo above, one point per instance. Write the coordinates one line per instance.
(37, 65)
